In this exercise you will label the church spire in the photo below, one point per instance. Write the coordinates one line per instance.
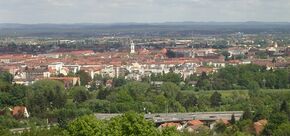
(132, 46)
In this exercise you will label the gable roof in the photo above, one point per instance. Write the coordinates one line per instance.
(19, 112)
(260, 125)
(194, 122)
(170, 124)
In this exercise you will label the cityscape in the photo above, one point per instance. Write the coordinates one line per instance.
(160, 75)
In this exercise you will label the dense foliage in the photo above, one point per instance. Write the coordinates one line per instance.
(48, 100)
(134, 124)
(244, 77)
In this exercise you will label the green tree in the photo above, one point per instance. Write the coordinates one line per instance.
(247, 114)
(226, 54)
(170, 54)
(203, 82)
(103, 93)
(87, 126)
(161, 102)
(170, 131)
(120, 96)
(253, 87)
(53, 131)
(278, 118)
(282, 78)
(245, 126)
(117, 82)
(284, 107)
(172, 77)
(131, 124)
(84, 77)
(79, 94)
(44, 95)
(188, 100)
(6, 76)
(275, 120)
(220, 127)
(216, 99)
(4, 86)
(282, 130)
(137, 90)
(170, 90)
(19, 93)
(13, 95)
(5, 132)
(63, 115)
(259, 114)
(233, 119)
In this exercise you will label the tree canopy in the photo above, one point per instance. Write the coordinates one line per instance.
(46, 94)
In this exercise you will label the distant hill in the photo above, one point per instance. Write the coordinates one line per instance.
(87, 29)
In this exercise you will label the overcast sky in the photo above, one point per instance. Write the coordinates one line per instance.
(146, 11)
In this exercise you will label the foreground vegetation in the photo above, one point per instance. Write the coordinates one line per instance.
(134, 124)
(49, 101)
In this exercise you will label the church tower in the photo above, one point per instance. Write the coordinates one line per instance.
(132, 45)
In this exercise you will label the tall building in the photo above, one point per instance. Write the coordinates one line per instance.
(132, 45)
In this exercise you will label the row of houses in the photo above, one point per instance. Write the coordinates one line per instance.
(134, 71)
(197, 126)
(29, 68)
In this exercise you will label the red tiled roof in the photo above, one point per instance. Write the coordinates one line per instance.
(170, 124)
(260, 125)
(263, 62)
(18, 111)
(62, 78)
(194, 122)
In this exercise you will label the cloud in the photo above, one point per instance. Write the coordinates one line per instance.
(107, 11)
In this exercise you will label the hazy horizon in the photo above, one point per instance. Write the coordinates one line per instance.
(142, 11)
(137, 23)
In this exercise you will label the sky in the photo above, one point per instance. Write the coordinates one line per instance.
(142, 11)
